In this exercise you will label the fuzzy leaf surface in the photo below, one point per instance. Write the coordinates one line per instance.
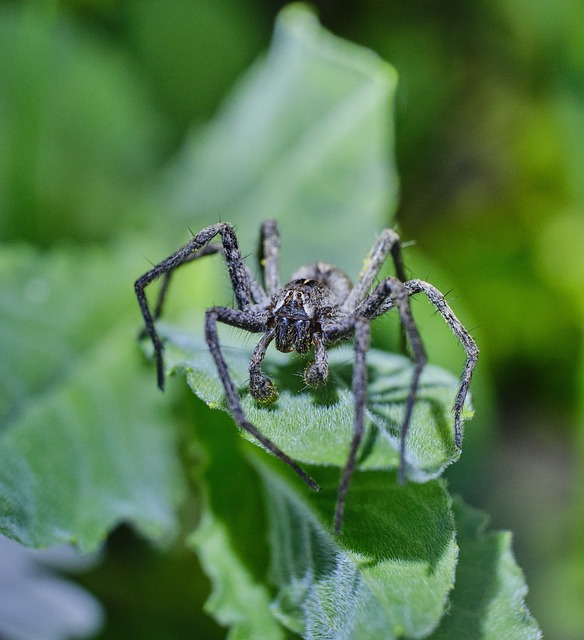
(84, 443)
(488, 601)
(407, 563)
(238, 600)
(387, 575)
(266, 538)
(315, 426)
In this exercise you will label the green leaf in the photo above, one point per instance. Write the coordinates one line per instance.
(85, 442)
(488, 602)
(238, 599)
(315, 426)
(405, 565)
(231, 539)
(304, 138)
(375, 577)
(387, 575)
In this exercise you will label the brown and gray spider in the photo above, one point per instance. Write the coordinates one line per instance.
(318, 308)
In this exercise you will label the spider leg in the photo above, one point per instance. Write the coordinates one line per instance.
(260, 386)
(361, 338)
(257, 293)
(462, 335)
(381, 301)
(241, 281)
(388, 242)
(400, 295)
(394, 291)
(269, 256)
(208, 250)
(317, 372)
(254, 323)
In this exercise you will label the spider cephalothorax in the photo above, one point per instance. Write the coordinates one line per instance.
(315, 310)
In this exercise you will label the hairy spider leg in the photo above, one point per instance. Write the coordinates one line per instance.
(260, 386)
(257, 293)
(400, 295)
(395, 290)
(381, 301)
(387, 243)
(463, 336)
(269, 256)
(317, 372)
(242, 282)
(358, 324)
(255, 323)
(360, 330)
(208, 250)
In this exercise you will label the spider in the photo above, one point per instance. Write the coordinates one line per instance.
(316, 309)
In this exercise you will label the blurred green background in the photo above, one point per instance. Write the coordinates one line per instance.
(98, 97)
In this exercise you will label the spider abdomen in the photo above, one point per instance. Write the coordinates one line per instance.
(337, 283)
